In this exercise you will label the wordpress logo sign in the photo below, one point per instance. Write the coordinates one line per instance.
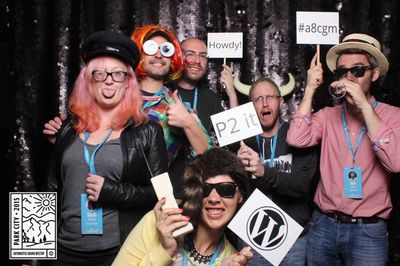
(267, 228)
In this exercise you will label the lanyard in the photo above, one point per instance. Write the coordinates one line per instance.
(213, 258)
(196, 93)
(273, 148)
(149, 99)
(360, 136)
(90, 158)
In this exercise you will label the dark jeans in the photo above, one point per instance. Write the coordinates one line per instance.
(332, 243)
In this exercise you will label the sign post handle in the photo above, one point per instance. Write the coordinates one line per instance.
(223, 85)
(318, 54)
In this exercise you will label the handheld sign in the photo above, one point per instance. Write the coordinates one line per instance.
(265, 227)
(163, 188)
(225, 44)
(317, 28)
(236, 124)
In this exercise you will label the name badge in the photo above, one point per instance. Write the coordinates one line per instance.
(352, 177)
(91, 217)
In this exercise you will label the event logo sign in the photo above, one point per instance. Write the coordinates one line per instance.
(33, 225)
(265, 227)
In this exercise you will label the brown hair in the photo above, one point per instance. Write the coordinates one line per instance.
(216, 161)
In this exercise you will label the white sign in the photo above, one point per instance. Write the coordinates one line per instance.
(236, 124)
(317, 27)
(33, 225)
(225, 44)
(265, 227)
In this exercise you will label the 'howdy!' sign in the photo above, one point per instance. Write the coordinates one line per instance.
(225, 44)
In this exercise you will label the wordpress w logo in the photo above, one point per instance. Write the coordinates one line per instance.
(267, 228)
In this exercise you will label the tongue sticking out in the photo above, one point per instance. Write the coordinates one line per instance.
(108, 93)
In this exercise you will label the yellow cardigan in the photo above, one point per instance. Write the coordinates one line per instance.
(143, 247)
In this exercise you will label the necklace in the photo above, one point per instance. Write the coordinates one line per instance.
(198, 256)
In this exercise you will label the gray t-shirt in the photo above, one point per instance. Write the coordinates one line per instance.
(108, 164)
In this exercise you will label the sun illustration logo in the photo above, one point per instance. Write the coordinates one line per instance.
(44, 203)
(267, 228)
(39, 219)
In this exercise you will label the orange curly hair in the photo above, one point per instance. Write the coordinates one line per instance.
(141, 34)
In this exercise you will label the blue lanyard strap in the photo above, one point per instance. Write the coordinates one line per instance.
(90, 158)
(214, 257)
(273, 148)
(196, 94)
(360, 136)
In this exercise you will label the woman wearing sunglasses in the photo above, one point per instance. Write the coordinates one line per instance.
(215, 186)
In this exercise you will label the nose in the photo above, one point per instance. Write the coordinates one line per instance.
(213, 197)
(158, 54)
(349, 76)
(265, 101)
(196, 58)
(109, 78)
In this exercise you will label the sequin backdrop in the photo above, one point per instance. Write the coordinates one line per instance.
(44, 39)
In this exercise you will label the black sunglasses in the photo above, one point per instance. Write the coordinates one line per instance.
(224, 189)
(356, 71)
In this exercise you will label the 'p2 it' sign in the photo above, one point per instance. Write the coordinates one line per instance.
(236, 124)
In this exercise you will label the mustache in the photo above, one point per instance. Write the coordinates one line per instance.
(158, 61)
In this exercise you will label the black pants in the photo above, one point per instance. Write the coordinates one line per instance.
(69, 257)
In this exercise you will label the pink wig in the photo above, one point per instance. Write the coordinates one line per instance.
(83, 106)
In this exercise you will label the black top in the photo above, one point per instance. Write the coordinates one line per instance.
(133, 195)
(208, 104)
(288, 181)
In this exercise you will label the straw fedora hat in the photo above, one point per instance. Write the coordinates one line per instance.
(358, 41)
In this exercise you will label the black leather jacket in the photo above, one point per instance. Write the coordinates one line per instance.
(133, 195)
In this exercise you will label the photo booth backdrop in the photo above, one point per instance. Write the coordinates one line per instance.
(44, 37)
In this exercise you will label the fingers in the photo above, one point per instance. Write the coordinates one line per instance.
(313, 61)
(175, 97)
(240, 258)
(226, 76)
(94, 183)
(170, 219)
(158, 206)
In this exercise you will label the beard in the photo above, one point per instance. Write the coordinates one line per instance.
(270, 125)
(158, 75)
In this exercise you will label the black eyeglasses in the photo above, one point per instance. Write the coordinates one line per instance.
(224, 189)
(101, 75)
(356, 71)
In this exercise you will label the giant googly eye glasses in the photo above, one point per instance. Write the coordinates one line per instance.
(151, 47)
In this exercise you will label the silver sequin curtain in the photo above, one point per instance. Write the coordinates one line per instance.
(43, 40)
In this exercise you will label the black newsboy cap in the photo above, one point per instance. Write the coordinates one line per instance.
(110, 43)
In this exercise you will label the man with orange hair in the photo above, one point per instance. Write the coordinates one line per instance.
(161, 62)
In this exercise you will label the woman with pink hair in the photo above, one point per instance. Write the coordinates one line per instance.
(105, 155)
